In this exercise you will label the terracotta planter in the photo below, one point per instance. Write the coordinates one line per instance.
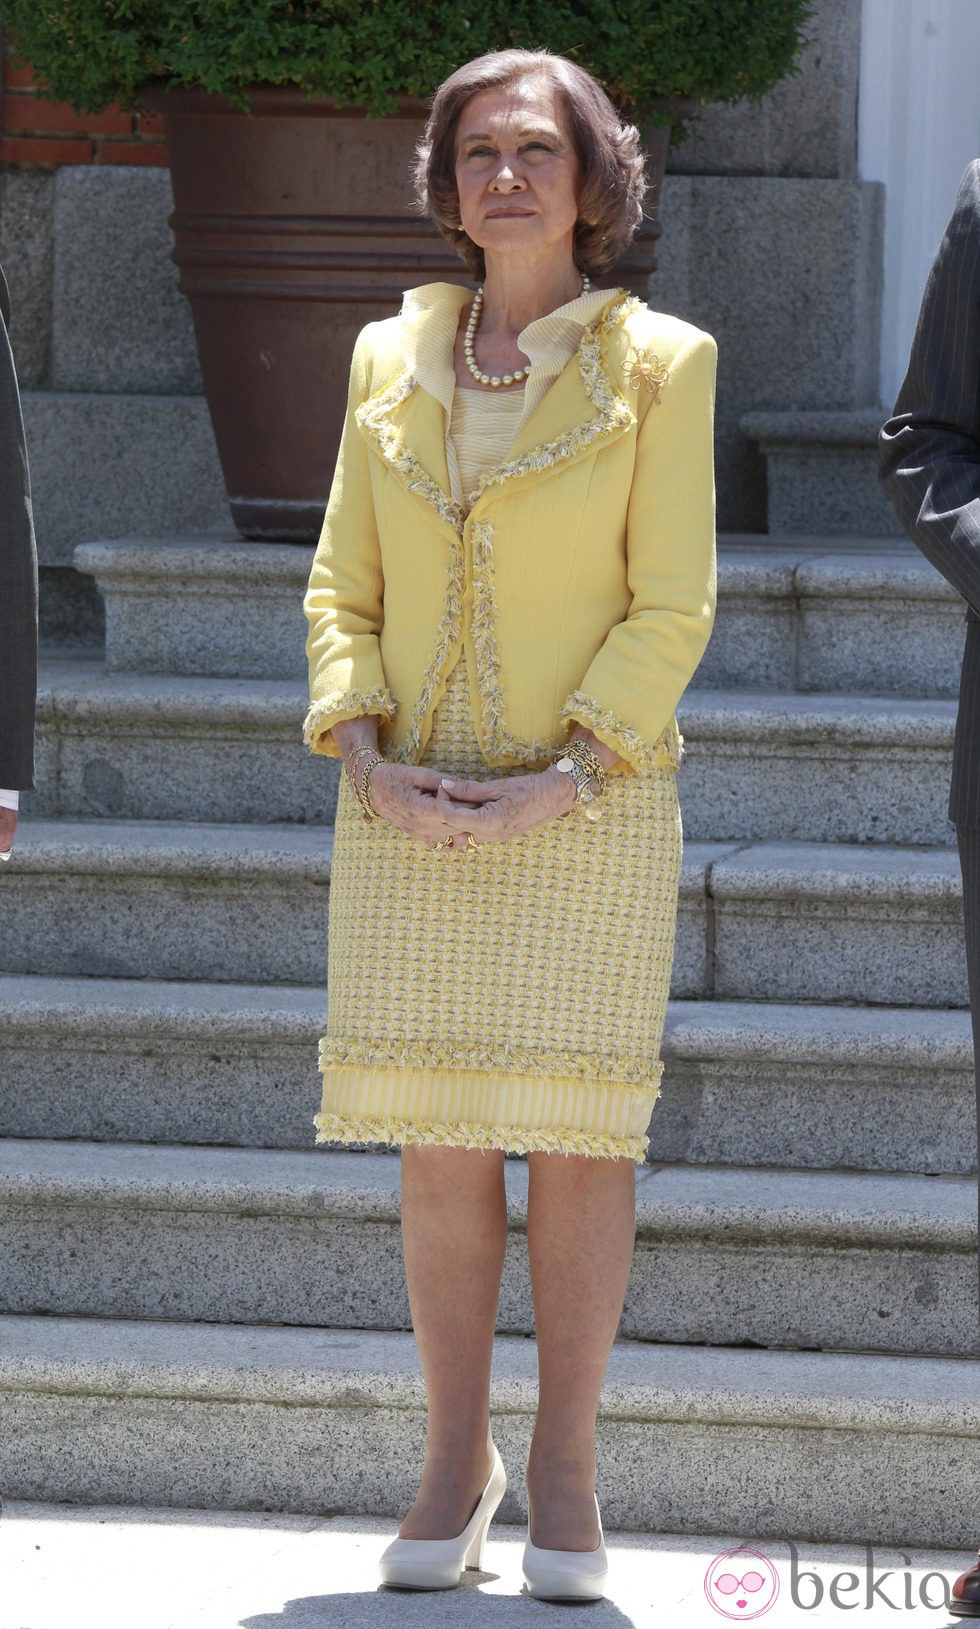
(293, 228)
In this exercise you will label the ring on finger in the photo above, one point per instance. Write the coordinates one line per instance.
(445, 842)
(471, 841)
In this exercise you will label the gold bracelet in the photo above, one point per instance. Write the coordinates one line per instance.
(591, 805)
(582, 754)
(370, 812)
(352, 760)
(354, 757)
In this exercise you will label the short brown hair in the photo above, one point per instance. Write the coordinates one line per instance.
(613, 180)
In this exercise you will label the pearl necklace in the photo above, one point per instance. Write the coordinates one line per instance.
(494, 380)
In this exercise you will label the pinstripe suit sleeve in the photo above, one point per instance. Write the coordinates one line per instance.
(930, 447)
(18, 580)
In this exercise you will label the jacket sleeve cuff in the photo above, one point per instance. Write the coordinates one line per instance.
(337, 709)
(637, 753)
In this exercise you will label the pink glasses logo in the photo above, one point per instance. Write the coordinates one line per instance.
(741, 1583)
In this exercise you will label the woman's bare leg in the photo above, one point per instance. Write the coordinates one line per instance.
(454, 1233)
(580, 1230)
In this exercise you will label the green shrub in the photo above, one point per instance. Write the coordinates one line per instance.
(363, 52)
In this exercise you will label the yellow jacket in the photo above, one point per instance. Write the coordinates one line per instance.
(579, 587)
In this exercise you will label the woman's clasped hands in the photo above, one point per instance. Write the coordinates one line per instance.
(456, 816)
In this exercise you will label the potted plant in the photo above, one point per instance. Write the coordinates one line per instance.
(291, 126)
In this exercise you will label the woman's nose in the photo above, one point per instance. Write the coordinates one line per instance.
(506, 179)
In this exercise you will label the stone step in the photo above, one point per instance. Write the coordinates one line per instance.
(822, 470)
(795, 613)
(871, 617)
(190, 900)
(154, 899)
(777, 765)
(756, 922)
(141, 1060)
(800, 1086)
(735, 1256)
(862, 1088)
(837, 922)
(160, 597)
(159, 747)
(825, 768)
(758, 1442)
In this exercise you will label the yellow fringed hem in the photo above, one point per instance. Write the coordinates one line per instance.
(664, 753)
(486, 1110)
(337, 708)
(335, 1128)
(626, 1073)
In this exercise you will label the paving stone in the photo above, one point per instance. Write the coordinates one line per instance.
(213, 1569)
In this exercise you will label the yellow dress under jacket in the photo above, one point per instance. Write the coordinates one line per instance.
(513, 998)
(580, 585)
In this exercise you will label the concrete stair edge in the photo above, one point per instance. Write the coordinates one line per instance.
(798, 1032)
(171, 847)
(862, 1391)
(673, 1201)
(82, 692)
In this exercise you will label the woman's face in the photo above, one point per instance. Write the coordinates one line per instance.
(517, 173)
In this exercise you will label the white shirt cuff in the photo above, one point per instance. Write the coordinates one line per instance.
(9, 800)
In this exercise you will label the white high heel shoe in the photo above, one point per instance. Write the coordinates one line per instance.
(439, 1563)
(566, 1575)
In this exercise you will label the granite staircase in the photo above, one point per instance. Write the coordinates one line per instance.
(197, 1307)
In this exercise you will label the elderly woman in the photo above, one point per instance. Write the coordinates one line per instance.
(514, 585)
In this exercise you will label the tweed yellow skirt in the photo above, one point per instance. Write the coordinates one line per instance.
(512, 997)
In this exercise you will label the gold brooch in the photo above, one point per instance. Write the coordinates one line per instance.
(650, 371)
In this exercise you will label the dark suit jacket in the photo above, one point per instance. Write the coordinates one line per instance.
(930, 458)
(18, 579)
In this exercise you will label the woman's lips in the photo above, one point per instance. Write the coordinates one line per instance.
(508, 214)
